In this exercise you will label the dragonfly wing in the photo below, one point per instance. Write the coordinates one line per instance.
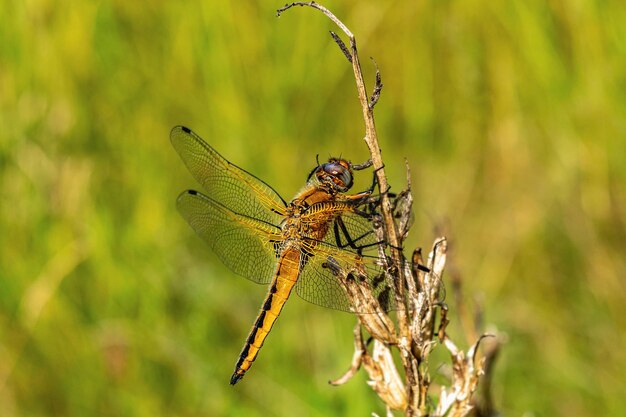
(352, 231)
(225, 182)
(244, 244)
(319, 284)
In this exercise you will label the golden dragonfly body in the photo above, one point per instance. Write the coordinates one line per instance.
(260, 236)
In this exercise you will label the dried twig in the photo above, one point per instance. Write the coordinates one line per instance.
(417, 289)
(378, 87)
(341, 45)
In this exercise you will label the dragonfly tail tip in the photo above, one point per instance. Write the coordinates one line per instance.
(235, 378)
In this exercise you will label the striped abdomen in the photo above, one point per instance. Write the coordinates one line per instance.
(287, 272)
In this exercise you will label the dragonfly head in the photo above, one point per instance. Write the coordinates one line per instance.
(336, 174)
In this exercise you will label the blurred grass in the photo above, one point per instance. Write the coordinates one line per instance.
(512, 115)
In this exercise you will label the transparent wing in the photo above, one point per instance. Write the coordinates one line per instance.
(244, 244)
(349, 245)
(352, 231)
(226, 183)
(319, 284)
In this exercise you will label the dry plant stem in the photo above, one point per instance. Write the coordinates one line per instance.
(484, 404)
(384, 377)
(378, 87)
(371, 138)
(321, 9)
(416, 289)
(457, 400)
(391, 232)
(357, 358)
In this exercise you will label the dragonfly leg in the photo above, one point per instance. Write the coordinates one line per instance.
(339, 227)
(358, 167)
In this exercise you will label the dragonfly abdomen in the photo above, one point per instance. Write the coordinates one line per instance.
(285, 278)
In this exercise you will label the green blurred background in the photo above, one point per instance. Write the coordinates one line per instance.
(512, 115)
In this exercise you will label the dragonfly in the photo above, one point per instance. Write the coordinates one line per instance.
(297, 245)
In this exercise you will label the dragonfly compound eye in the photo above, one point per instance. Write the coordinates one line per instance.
(337, 174)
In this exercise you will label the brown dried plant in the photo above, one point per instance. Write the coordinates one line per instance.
(417, 288)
